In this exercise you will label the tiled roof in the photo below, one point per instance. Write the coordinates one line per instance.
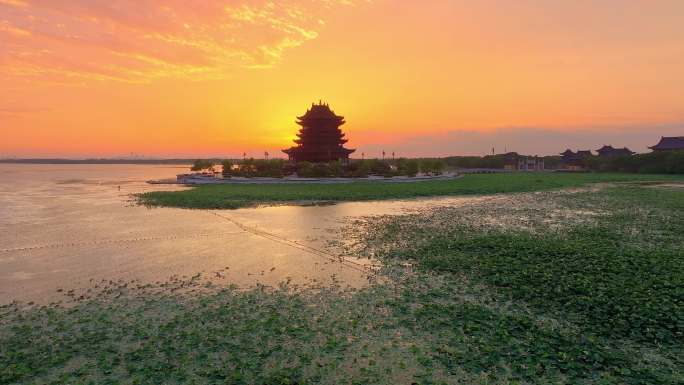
(610, 150)
(669, 143)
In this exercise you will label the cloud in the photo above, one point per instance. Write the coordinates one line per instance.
(140, 40)
(13, 112)
(14, 3)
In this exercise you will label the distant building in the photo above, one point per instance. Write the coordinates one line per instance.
(515, 161)
(574, 161)
(607, 151)
(669, 143)
(511, 160)
(531, 163)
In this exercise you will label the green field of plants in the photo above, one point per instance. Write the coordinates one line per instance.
(230, 196)
(589, 286)
(580, 286)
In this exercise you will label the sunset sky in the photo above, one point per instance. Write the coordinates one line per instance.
(194, 78)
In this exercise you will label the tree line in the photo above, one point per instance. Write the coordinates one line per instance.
(279, 168)
(671, 162)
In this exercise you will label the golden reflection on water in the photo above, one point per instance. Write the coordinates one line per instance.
(66, 226)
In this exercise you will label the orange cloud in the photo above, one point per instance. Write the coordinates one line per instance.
(6, 27)
(136, 41)
(14, 3)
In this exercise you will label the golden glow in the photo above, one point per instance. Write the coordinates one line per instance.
(179, 78)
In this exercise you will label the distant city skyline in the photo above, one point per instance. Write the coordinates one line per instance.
(430, 78)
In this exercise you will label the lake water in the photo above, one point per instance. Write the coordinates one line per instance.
(67, 226)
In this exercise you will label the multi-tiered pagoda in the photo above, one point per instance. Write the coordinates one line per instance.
(320, 138)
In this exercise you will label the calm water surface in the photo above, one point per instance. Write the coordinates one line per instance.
(67, 226)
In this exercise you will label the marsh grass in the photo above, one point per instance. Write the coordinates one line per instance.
(580, 287)
(232, 196)
(615, 272)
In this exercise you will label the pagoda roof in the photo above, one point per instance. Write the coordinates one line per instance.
(669, 143)
(333, 150)
(571, 156)
(320, 111)
(610, 150)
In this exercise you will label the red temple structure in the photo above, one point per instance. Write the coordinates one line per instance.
(320, 138)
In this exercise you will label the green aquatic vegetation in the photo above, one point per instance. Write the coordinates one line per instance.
(626, 293)
(514, 344)
(231, 196)
(579, 287)
(423, 328)
(619, 276)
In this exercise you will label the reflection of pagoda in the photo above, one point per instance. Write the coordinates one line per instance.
(320, 138)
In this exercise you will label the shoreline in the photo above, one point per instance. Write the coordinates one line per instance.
(203, 180)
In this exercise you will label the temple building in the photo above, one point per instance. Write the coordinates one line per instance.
(514, 161)
(606, 151)
(320, 138)
(574, 161)
(669, 143)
